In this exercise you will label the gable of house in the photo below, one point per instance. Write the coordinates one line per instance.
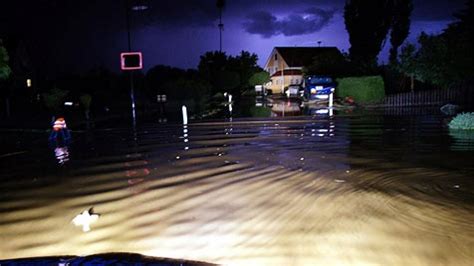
(275, 62)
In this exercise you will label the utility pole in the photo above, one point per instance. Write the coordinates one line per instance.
(129, 42)
(220, 4)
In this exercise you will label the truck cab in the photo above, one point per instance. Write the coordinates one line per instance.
(318, 87)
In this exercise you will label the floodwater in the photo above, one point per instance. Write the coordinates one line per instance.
(384, 189)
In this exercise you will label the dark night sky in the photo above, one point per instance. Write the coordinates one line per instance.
(78, 35)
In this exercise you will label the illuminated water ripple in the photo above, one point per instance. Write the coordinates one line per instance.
(300, 191)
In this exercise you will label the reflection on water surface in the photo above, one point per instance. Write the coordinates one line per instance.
(290, 191)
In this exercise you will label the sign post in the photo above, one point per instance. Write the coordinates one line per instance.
(130, 61)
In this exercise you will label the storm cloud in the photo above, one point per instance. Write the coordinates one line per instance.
(267, 25)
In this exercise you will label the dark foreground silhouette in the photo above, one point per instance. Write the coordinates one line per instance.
(104, 259)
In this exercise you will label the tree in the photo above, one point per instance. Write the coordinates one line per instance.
(210, 65)
(159, 75)
(86, 100)
(227, 81)
(5, 69)
(459, 38)
(184, 89)
(331, 64)
(5, 72)
(408, 63)
(245, 64)
(445, 59)
(367, 22)
(400, 26)
(259, 78)
(228, 73)
(54, 99)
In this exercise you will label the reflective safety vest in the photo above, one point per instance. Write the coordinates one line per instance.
(59, 124)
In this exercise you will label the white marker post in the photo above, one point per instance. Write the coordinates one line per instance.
(331, 103)
(185, 115)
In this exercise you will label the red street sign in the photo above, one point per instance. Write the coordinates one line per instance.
(131, 61)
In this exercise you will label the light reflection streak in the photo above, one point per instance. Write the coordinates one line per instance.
(62, 154)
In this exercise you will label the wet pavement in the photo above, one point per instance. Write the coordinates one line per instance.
(373, 188)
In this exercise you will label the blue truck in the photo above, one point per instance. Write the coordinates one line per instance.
(318, 88)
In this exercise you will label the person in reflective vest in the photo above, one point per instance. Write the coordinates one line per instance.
(60, 130)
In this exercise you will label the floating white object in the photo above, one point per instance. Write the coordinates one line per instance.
(185, 115)
(85, 219)
(322, 111)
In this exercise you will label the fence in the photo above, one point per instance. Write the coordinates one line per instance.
(463, 96)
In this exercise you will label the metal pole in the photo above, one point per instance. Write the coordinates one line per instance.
(221, 26)
(282, 80)
(129, 42)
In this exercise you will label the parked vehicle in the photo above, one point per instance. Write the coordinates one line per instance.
(293, 91)
(318, 87)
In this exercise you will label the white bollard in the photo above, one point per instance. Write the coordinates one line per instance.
(185, 115)
(230, 98)
(331, 100)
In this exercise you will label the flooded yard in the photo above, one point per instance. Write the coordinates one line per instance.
(306, 190)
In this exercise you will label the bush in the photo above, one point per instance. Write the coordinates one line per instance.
(5, 70)
(86, 100)
(364, 90)
(54, 99)
(260, 111)
(259, 78)
(463, 121)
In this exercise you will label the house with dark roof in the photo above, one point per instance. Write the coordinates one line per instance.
(285, 64)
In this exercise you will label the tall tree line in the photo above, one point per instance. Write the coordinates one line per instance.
(444, 59)
(368, 23)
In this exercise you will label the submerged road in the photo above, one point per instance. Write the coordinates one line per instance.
(299, 191)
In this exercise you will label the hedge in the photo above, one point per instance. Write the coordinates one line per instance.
(463, 121)
(364, 90)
